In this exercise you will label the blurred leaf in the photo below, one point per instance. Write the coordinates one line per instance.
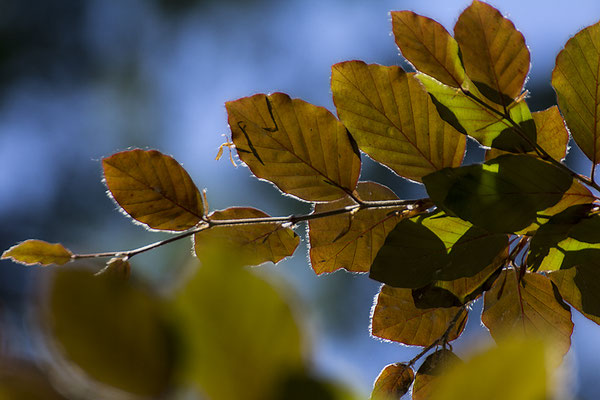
(301, 386)
(240, 338)
(428, 46)
(393, 119)
(530, 308)
(153, 189)
(117, 267)
(393, 382)
(576, 80)
(435, 365)
(112, 329)
(493, 52)
(579, 286)
(362, 236)
(32, 252)
(253, 244)
(20, 380)
(503, 195)
(303, 149)
(395, 317)
(433, 247)
(517, 370)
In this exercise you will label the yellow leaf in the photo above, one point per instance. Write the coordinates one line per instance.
(434, 366)
(564, 279)
(303, 149)
(529, 308)
(253, 243)
(356, 249)
(394, 120)
(393, 382)
(153, 189)
(395, 317)
(32, 252)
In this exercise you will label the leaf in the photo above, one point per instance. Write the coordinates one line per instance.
(32, 252)
(576, 80)
(471, 114)
(253, 244)
(117, 267)
(579, 287)
(493, 52)
(515, 187)
(529, 308)
(393, 120)
(433, 247)
(393, 382)
(395, 317)
(356, 248)
(303, 149)
(552, 135)
(153, 189)
(428, 46)
(434, 366)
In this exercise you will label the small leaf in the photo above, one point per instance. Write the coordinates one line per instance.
(503, 195)
(253, 244)
(393, 382)
(395, 317)
(493, 52)
(529, 308)
(576, 80)
(153, 189)
(303, 149)
(579, 287)
(32, 252)
(434, 366)
(428, 46)
(117, 267)
(393, 120)
(358, 246)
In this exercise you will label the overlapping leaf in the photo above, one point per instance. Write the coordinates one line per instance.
(434, 366)
(303, 149)
(576, 80)
(428, 46)
(393, 382)
(529, 307)
(393, 119)
(153, 189)
(493, 52)
(32, 252)
(503, 195)
(580, 286)
(253, 243)
(351, 241)
(395, 317)
(423, 249)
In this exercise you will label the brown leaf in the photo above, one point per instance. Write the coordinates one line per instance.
(32, 252)
(564, 279)
(434, 365)
(393, 382)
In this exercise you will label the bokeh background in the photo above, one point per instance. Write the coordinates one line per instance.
(80, 80)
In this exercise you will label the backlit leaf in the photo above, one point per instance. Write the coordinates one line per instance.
(579, 287)
(393, 119)
(303, 149)
(32, 252)
(252, 243)
(503, 195)
(529, 308)
(493, 52)
(393, 382)
(434, 366)
(428, 46)
(153, 189)
(395, 317)
(576, 80)
(362, 236)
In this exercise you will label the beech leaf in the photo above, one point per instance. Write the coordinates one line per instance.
(393, 382)
(153, 189)
(32, 252)
(579, 286)
(433, 368)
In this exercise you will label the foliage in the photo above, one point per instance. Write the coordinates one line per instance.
(520, 228)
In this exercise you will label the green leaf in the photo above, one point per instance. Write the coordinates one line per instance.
(493, 52)
(579, 286)
(396, 317)
(32, 252)
(393, 382)
(576, 80)
(153, 189)
(393, 120)
(428, 46)
(253, 244)
(527, 308)
(434, 367)
(303, 149)
(503, 195)
(433, 247)
(351, 241)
